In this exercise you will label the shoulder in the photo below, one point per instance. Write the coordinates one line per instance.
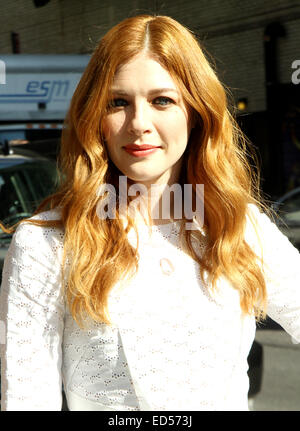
(267, 240)
(45, 216)
(258, 222)
(33, 260)
(41, 239)
(263, 222)
(54, 214)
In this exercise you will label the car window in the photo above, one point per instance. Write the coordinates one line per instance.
(23, 187)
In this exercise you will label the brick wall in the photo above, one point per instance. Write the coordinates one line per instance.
(231, 30)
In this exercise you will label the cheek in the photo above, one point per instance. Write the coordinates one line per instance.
(177, 128)
(106, 127)
(113, 126)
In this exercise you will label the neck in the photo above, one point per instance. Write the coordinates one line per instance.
(156, 205)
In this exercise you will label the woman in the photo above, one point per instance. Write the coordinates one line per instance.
(132, 318)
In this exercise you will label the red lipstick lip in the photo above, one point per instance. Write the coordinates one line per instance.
(142, 151)
(140, 147)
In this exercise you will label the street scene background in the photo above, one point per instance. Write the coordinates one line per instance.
(255, 49)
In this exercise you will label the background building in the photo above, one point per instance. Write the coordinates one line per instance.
(253, 45)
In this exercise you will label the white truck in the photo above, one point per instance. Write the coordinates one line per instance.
(35, 92)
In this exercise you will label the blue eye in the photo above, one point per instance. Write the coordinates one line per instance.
(163, 101)
(116, 103)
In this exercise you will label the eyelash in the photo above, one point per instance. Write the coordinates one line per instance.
(167, 99)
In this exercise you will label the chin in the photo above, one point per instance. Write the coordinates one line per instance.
(140, 178)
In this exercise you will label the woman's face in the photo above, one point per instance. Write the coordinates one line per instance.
(148, 125)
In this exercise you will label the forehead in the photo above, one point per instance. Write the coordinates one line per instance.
(143, 71)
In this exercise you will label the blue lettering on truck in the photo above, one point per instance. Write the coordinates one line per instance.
(40, 91)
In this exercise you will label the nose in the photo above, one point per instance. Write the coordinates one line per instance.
(139, 121)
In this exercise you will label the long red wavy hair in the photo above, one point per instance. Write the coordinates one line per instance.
(98, 251)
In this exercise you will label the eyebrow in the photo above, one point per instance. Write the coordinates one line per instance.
(150, 92)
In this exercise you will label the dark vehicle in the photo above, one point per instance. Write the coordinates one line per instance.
(288, 208)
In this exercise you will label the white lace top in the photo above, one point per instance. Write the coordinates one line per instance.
(172, 345)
